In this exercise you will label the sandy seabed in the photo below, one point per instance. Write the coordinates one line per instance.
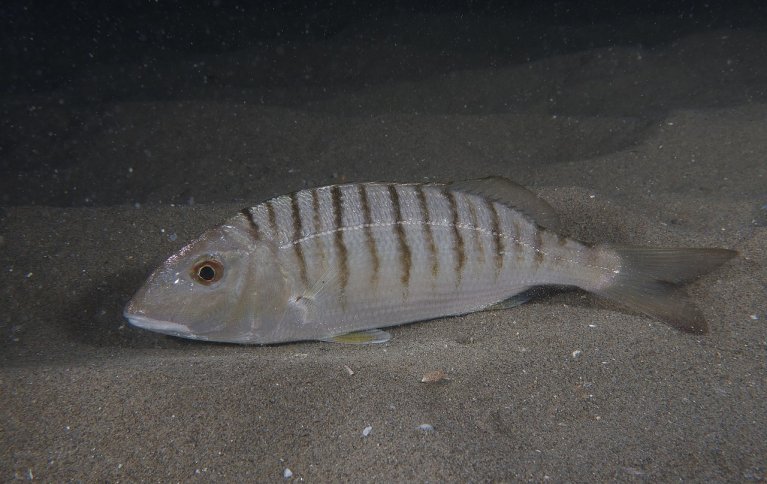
(661, 144)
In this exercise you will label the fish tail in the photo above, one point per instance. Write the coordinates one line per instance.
(649, 280)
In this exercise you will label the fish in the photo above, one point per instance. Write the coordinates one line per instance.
(342, 262)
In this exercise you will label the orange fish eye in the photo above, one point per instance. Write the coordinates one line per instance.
(207, 271)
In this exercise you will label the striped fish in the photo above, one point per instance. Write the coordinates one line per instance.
(338, 263)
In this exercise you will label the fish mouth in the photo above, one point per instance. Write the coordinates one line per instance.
(159, 326)
(139, 319)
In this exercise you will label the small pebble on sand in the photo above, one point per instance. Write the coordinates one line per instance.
(433, 376)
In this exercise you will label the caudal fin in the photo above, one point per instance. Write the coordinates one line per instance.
(649, 280)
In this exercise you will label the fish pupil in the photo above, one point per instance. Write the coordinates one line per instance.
(207, 273)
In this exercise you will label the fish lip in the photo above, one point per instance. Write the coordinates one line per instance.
(182, 331)
(158, 325)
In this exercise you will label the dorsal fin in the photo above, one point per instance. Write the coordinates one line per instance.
(513, 195)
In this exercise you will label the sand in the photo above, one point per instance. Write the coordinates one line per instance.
(641, 129)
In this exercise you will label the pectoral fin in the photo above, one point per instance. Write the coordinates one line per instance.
(323, 284)
(366, 337)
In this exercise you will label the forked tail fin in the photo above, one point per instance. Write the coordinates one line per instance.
(649, 282)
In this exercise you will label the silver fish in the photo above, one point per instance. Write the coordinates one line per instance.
(340, 262)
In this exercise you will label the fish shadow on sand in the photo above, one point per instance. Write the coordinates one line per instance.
(96, 319)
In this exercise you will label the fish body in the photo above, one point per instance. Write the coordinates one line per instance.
(323, 263)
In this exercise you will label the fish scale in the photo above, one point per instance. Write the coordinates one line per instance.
(432, 242)
(324, 262)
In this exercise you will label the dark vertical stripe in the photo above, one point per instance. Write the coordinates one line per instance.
(475, 226)
(369, 239)
(460, 250)
(272, 217)
(430, 245)
(253, 229)
(399, 230)
(537, 244)
(317, 227)
(338, 218)
(516, 237)
(498, 241)
(316, 210)
(298, 232)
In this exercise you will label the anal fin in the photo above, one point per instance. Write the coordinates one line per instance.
(365, 337)
(509, 303)
(517, 299)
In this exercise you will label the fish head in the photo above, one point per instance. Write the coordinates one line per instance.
(224, 286)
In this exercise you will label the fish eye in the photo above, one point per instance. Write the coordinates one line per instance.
(207, 271)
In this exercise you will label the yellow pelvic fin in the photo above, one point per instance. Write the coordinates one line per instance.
(365, 337)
